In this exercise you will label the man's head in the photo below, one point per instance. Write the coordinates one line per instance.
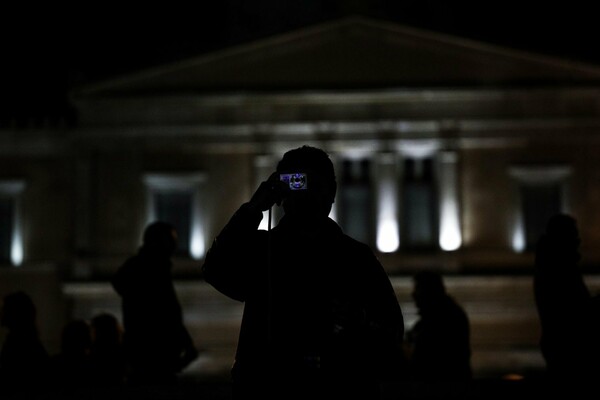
(160, 238)
(321, 184)
(428, 289)
(564, 227)
(563, 234)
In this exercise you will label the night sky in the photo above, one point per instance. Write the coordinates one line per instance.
(47, 51)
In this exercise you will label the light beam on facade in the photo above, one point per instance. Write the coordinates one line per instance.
(16, 249)
(450, 238)
(197, 244)
(13, 189)
(450, 235)
(518, 236)
(388, 233)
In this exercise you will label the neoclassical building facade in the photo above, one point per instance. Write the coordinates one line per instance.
(450, 154)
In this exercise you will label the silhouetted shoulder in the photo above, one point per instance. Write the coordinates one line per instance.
(357, 246)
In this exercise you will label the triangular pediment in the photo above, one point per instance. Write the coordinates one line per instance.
(350, 53)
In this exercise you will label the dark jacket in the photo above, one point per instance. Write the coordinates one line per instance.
(317, 302)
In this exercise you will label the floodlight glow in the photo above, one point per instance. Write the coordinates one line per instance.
(450, 236)
(16, 249)
(197, 246)
(518, 238)
(388, 237)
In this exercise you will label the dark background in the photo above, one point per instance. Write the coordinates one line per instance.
(48, 50)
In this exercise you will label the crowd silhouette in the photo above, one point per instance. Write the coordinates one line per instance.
(150, 348)
(321, 317)
(88, 357)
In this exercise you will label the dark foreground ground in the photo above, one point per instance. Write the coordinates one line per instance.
(484, 389)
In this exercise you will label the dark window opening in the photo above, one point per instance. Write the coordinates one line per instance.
(355, 200)
(419, 205)
(175, 207)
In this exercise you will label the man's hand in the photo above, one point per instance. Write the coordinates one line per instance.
(268, 193)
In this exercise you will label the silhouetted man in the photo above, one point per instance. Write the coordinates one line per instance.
(438, 344)
(569, 315)
(157, 343)
(321, 319)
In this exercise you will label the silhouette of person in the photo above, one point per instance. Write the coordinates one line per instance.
(71, 368)
(107, 353)
(23, 357)
(438, 345)
(157, 343)
(568, 313)
(320, 318)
